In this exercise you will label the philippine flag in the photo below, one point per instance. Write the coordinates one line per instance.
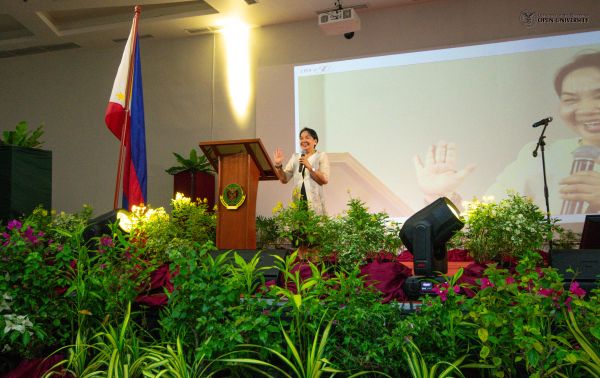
(134, 135)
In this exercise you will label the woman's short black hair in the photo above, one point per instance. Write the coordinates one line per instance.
(312, 133)
(581, 61)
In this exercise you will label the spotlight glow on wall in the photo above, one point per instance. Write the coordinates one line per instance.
(237, 36)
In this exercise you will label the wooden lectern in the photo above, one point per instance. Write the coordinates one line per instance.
(240, 164)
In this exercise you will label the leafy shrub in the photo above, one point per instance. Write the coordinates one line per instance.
(358, 340)
(193, 220)
(34, 270)
(514, 324)
(202, 299)
(153, 230)
(506, 229)
(300, 225)
(359, 233)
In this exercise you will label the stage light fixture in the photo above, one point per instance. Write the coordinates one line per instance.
(101, 224)
(426, 233)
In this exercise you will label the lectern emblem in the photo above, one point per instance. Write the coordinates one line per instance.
(232, 197)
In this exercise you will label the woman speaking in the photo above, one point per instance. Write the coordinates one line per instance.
(309, 170)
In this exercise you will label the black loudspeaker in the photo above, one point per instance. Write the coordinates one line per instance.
(584, 263)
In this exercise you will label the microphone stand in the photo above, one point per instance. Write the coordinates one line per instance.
(541, 144)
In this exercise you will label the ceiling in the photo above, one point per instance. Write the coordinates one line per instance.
(36, 26)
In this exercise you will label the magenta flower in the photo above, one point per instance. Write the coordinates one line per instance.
(510, 280)
(485, 283)
(545, 292)
(14, 224)
(456, 289)
(576, 289)
(28, 234)
(106, 241)
(443, 294)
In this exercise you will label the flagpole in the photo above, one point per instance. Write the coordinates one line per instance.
(138, 10)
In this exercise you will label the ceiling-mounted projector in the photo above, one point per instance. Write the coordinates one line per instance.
(339, 21)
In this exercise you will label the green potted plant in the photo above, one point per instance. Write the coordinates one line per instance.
(194, 177)
(25, 172)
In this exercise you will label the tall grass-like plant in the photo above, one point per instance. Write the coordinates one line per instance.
(309, 363)
(119, 350)
(589, 359)
(419, 368)
(164, 360)
(80, 361)
(301, 295)
(114, 352)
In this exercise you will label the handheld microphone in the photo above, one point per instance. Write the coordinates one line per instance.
(301, 166)
(584, 158)
(542, 122)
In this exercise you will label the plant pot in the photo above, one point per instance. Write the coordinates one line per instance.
(25, 180)
(195, 185)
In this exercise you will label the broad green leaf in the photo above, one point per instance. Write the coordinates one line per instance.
(483, 334)
(485, 351)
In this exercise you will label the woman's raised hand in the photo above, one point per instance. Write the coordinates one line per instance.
(278, 156)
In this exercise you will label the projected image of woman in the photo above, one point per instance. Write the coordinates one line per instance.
(308, 170)
(573, 165)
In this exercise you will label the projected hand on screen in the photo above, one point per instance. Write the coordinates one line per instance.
(438, 176)
(582, 186)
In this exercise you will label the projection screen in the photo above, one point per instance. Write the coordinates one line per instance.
(389, 112)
